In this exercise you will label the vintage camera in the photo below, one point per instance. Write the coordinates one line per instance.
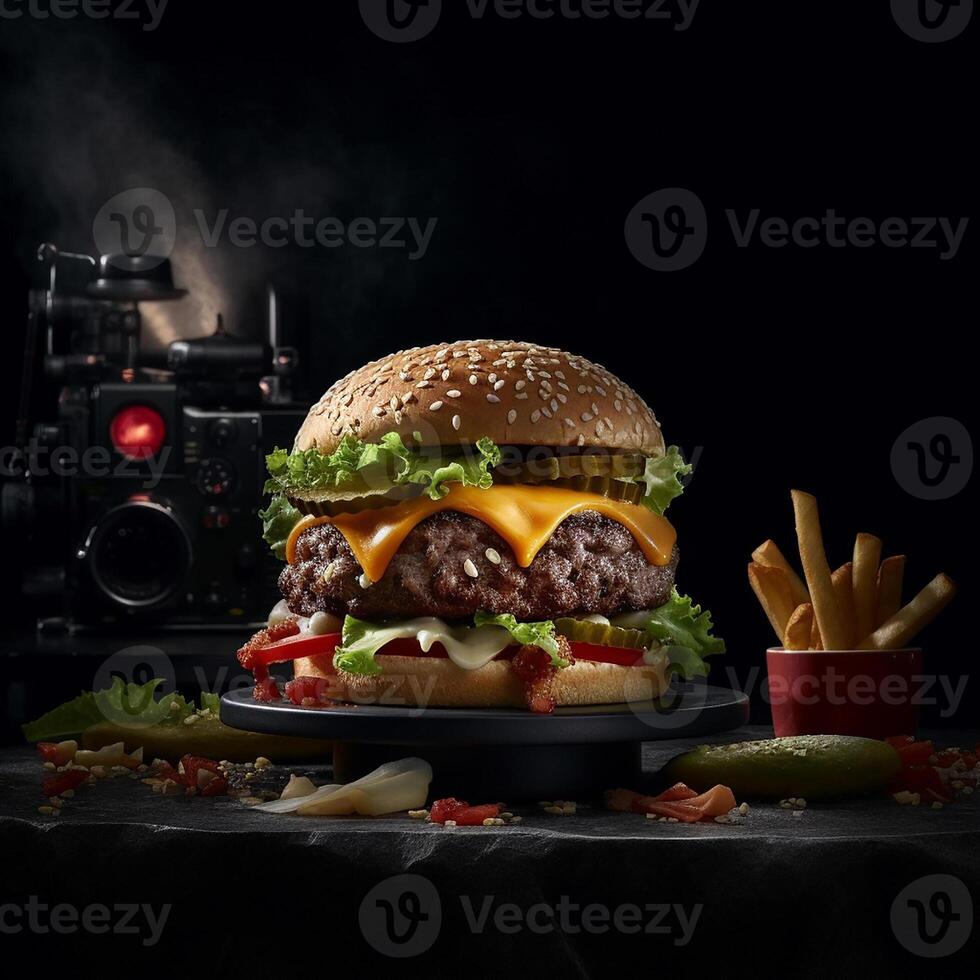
(140, 497)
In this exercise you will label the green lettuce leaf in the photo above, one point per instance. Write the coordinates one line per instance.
(357, 467)
(661, 477)
(278, 519)
(683, 629)
(360, 640)
(541, 634)
(129, 705)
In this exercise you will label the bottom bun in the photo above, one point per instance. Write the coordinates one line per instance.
(439, 683)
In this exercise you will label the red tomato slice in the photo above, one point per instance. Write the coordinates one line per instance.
(293, 647)
(623, 656)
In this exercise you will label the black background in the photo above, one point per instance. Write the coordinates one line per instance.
(530, 141)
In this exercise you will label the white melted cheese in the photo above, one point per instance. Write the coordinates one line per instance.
(469, 647)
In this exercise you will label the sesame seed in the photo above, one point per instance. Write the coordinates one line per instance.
(423, 384)
(570, 423)
(519, 385)
(363, 581)
(470, 568)
(492, 398)
(602, 391)
(535, 415)
(473, 379)
(581, 389)
(497, 385)
(546, 412)
(521, 395)
(554, 404)
(453, 393)
(378, 410)
(595, 409)
(581, 439)
(393, 402)
(435, 406)
(445, 375)
(511, 417)
(544, 374)
(586, 417)
(456, 422)
(492, 377)
(429, 373)
(492, 555)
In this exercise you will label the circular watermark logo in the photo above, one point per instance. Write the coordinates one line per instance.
(133, 665)
(401, 916)
(933, 916)
(932, 21)
(933, 458)
(667, 230)
(400, 21)
(140, 221)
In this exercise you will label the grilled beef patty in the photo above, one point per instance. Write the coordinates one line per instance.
(591, 564)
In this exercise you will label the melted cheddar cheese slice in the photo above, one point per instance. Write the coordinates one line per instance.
(524, 516)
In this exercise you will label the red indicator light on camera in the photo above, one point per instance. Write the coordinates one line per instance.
(138, 432)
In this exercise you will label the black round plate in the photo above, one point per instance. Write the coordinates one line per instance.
(687, 711)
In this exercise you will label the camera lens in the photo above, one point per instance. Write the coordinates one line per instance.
(139, 554)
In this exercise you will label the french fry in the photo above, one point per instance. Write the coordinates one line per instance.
(888, 594)
(896, 632)
(817, 571)
(816, 643)
(798, 627)
(843, 582)
(867, 557)
(772, 589)
(768, 553)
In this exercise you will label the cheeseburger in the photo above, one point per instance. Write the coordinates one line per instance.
(478, 524)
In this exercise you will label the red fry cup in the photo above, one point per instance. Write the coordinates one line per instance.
(872, 693)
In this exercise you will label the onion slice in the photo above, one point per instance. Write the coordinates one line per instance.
(395, 786)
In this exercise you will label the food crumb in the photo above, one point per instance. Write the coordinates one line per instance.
(418, 814)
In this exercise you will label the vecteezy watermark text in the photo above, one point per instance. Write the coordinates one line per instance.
(306, 231)
(148, 12)
(668, 230)
(65, 919)
(39, 460)
(402, 917)
(403, 21)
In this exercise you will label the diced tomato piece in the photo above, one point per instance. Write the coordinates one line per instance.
(58, 782)
(897, 741)
(446, 809)
(218, 786)
(311, 690)
(917, 779)
(192, 765)
(266, 688)
(473, 816)
(163, 770)
(59, 753)
(946, 758)
(916, 753)
(48, 751)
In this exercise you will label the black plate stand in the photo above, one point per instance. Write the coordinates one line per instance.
(500, 754)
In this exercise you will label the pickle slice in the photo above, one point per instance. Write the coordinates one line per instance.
(331, 506)
(552, 468)
(600, 634)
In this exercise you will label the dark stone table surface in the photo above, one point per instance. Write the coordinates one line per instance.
(221, 887)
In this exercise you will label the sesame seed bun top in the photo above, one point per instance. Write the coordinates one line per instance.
(512, 392)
